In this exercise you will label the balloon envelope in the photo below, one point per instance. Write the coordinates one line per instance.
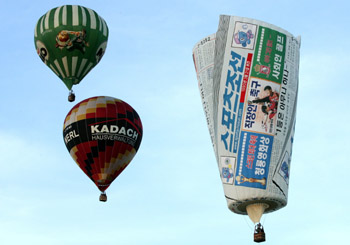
(102, 134)
(71, 40)
(248, 79)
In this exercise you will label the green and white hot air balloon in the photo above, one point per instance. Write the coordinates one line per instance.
(71, 40)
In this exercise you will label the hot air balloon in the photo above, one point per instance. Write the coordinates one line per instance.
(71, 40)
(248, 81)
(102, 134)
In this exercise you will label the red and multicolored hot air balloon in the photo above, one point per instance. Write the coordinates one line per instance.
(102, 134)
(71, 40)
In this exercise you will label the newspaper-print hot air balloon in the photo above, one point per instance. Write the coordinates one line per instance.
(102, 134)
(71, 40)
(248, 80)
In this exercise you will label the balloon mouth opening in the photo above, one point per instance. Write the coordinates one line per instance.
(256, 210)
(102, 187)
(241, 207)
(70, 81)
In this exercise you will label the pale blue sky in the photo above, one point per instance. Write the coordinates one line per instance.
(171, 193)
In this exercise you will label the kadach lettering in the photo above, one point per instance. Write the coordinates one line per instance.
(114, 129)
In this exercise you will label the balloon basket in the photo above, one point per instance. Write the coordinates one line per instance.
(71, 96)
(259, 234)
(103, 197)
